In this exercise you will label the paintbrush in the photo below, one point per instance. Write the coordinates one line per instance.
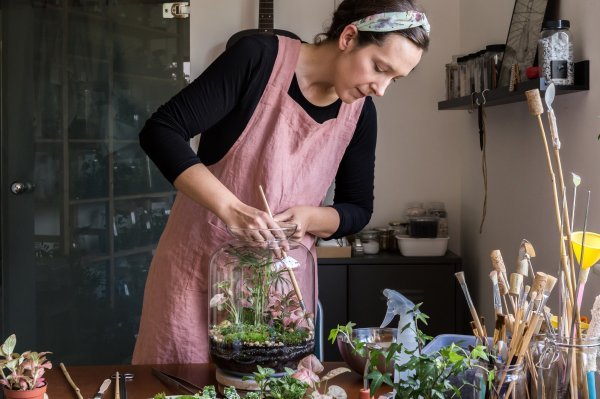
(496, 290)
(460, 276)
(526, 252)
(503, 285)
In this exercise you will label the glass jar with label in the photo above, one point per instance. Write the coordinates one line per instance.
(555, 52)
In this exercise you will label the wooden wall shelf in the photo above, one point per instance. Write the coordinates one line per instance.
(501, 95)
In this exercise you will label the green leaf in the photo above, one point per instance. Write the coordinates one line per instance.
(479, 352)
(377, 379)
(9, 345)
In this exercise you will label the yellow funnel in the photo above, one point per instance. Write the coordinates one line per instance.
(554, 321)
(591, 253)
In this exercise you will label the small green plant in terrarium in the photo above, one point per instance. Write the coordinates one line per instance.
(255, 315)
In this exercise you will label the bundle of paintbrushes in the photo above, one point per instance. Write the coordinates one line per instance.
(565, 364)
(525, 336)
(583, 245)
(521, 312)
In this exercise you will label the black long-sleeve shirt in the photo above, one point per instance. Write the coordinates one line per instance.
(220, 103)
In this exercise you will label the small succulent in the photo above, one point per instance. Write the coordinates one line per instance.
(22, 372)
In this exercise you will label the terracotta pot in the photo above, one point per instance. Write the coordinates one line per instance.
(37, 393)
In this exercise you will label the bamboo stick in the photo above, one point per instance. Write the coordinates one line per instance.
(536, 109)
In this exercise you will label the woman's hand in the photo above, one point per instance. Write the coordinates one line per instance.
(316, 220)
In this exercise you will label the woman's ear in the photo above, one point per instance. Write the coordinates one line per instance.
(348, 37)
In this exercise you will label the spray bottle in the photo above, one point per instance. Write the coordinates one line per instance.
(398, 304)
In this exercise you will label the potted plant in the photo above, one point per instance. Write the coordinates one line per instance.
(255, 315)
(449, 372)
(22, 375)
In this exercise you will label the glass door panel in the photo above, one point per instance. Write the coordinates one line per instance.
(78, 241)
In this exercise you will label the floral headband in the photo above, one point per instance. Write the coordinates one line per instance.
(391, 21)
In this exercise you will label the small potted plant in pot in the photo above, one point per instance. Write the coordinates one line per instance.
(22, 375)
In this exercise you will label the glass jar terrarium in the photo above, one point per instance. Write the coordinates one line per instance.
(261, 298)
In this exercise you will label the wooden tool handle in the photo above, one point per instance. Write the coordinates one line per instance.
(117, 388)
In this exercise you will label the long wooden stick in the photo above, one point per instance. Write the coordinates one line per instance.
(536, 109)
(70, 380)
(290, 271)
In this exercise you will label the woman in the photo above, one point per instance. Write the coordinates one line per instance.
(276, 112)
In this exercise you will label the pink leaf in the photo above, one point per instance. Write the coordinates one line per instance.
(311, 363)
(307, 376)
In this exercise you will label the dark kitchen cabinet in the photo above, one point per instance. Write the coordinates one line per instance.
(351, 289)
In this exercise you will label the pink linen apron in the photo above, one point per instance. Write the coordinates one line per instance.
(282, 148)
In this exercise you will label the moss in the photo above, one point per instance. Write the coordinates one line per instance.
(262, 333)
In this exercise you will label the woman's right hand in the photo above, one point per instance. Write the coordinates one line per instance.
(198, 183)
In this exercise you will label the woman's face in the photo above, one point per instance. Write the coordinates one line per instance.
(368, 70)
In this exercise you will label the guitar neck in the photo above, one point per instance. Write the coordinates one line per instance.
(265, 16)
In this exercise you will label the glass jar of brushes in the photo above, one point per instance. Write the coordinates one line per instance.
(510, 381)
(569, 365)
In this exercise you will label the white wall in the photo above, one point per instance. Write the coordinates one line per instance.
(418, 153)
(425, 154)
(520, 203)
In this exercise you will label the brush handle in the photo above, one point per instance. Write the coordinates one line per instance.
(497, 300)
(117, 389)
(591, 383)
(471, 306)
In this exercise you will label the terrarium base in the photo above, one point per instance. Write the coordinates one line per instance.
(242, 359)
(226, 379)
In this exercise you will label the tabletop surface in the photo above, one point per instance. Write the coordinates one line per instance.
(145, 385)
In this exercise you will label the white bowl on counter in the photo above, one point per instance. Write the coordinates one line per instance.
(409, 246)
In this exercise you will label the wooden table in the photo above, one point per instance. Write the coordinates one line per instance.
(145, 385)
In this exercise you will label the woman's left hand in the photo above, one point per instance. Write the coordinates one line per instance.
(317, 220)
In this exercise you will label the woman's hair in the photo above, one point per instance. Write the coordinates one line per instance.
(352, 10)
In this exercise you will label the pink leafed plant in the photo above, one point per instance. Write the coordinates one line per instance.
(22, 372)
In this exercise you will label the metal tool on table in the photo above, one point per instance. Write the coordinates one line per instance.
(121, 384)
(175, 382)
(102, 389)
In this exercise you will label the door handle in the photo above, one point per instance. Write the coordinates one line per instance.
(18, 188)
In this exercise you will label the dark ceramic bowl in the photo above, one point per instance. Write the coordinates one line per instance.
(381, 337)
